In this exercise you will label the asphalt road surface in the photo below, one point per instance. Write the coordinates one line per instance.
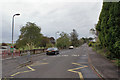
(70, 63)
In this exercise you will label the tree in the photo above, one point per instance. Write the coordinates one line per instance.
(49, 45)
(108, 27)
(74, 38)
(30, 36)
(81, 41)
(86, 40)
(63, 41)
(90, 38)
(92, 31)
(52, 40)
(44, 41)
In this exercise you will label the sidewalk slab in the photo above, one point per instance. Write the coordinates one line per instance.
(105, 67)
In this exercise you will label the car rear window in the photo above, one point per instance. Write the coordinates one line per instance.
(52, 49)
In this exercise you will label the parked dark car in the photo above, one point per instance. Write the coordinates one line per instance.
(52, 51)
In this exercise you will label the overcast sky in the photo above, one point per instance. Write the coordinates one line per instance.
(50, 15)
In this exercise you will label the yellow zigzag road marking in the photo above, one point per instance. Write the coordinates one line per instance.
(38, 64)
(31, 69)
(78, 64)
(80, 74)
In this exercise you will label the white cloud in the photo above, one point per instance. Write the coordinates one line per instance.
(52, 16)
(51, 1)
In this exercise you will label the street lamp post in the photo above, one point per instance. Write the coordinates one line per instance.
(56, 37)
(13, 30)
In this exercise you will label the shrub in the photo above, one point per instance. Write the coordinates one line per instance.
(97, 45)
(117, 62)
(117, 49)
(90, 44)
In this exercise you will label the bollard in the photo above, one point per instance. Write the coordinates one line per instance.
(4, 54)
(13, 54)
(19, 52)
(28, 56)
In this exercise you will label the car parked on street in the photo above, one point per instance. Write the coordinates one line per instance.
(52, 51)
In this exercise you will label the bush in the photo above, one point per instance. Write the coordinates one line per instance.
(108, 55)
(117, 62)
(90, 44)
(97, 45)
(117, 49)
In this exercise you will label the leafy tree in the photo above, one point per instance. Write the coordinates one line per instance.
(74, 38)
(92, 31)
(49, 45)
(108, 27)
(30, 36)
(90, 38)
(63, 41)
(44, 41)
(52, 40)
(86, 40)
(81, 41)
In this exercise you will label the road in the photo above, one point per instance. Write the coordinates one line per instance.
(70, 63)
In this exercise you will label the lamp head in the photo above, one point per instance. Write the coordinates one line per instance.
(16, 14)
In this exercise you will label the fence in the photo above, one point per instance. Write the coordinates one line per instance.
(8, 54)
(34, 51)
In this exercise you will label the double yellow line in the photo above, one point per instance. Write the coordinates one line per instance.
(80, 74)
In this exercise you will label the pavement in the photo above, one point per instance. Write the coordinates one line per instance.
(76, 64)
(103, 66)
